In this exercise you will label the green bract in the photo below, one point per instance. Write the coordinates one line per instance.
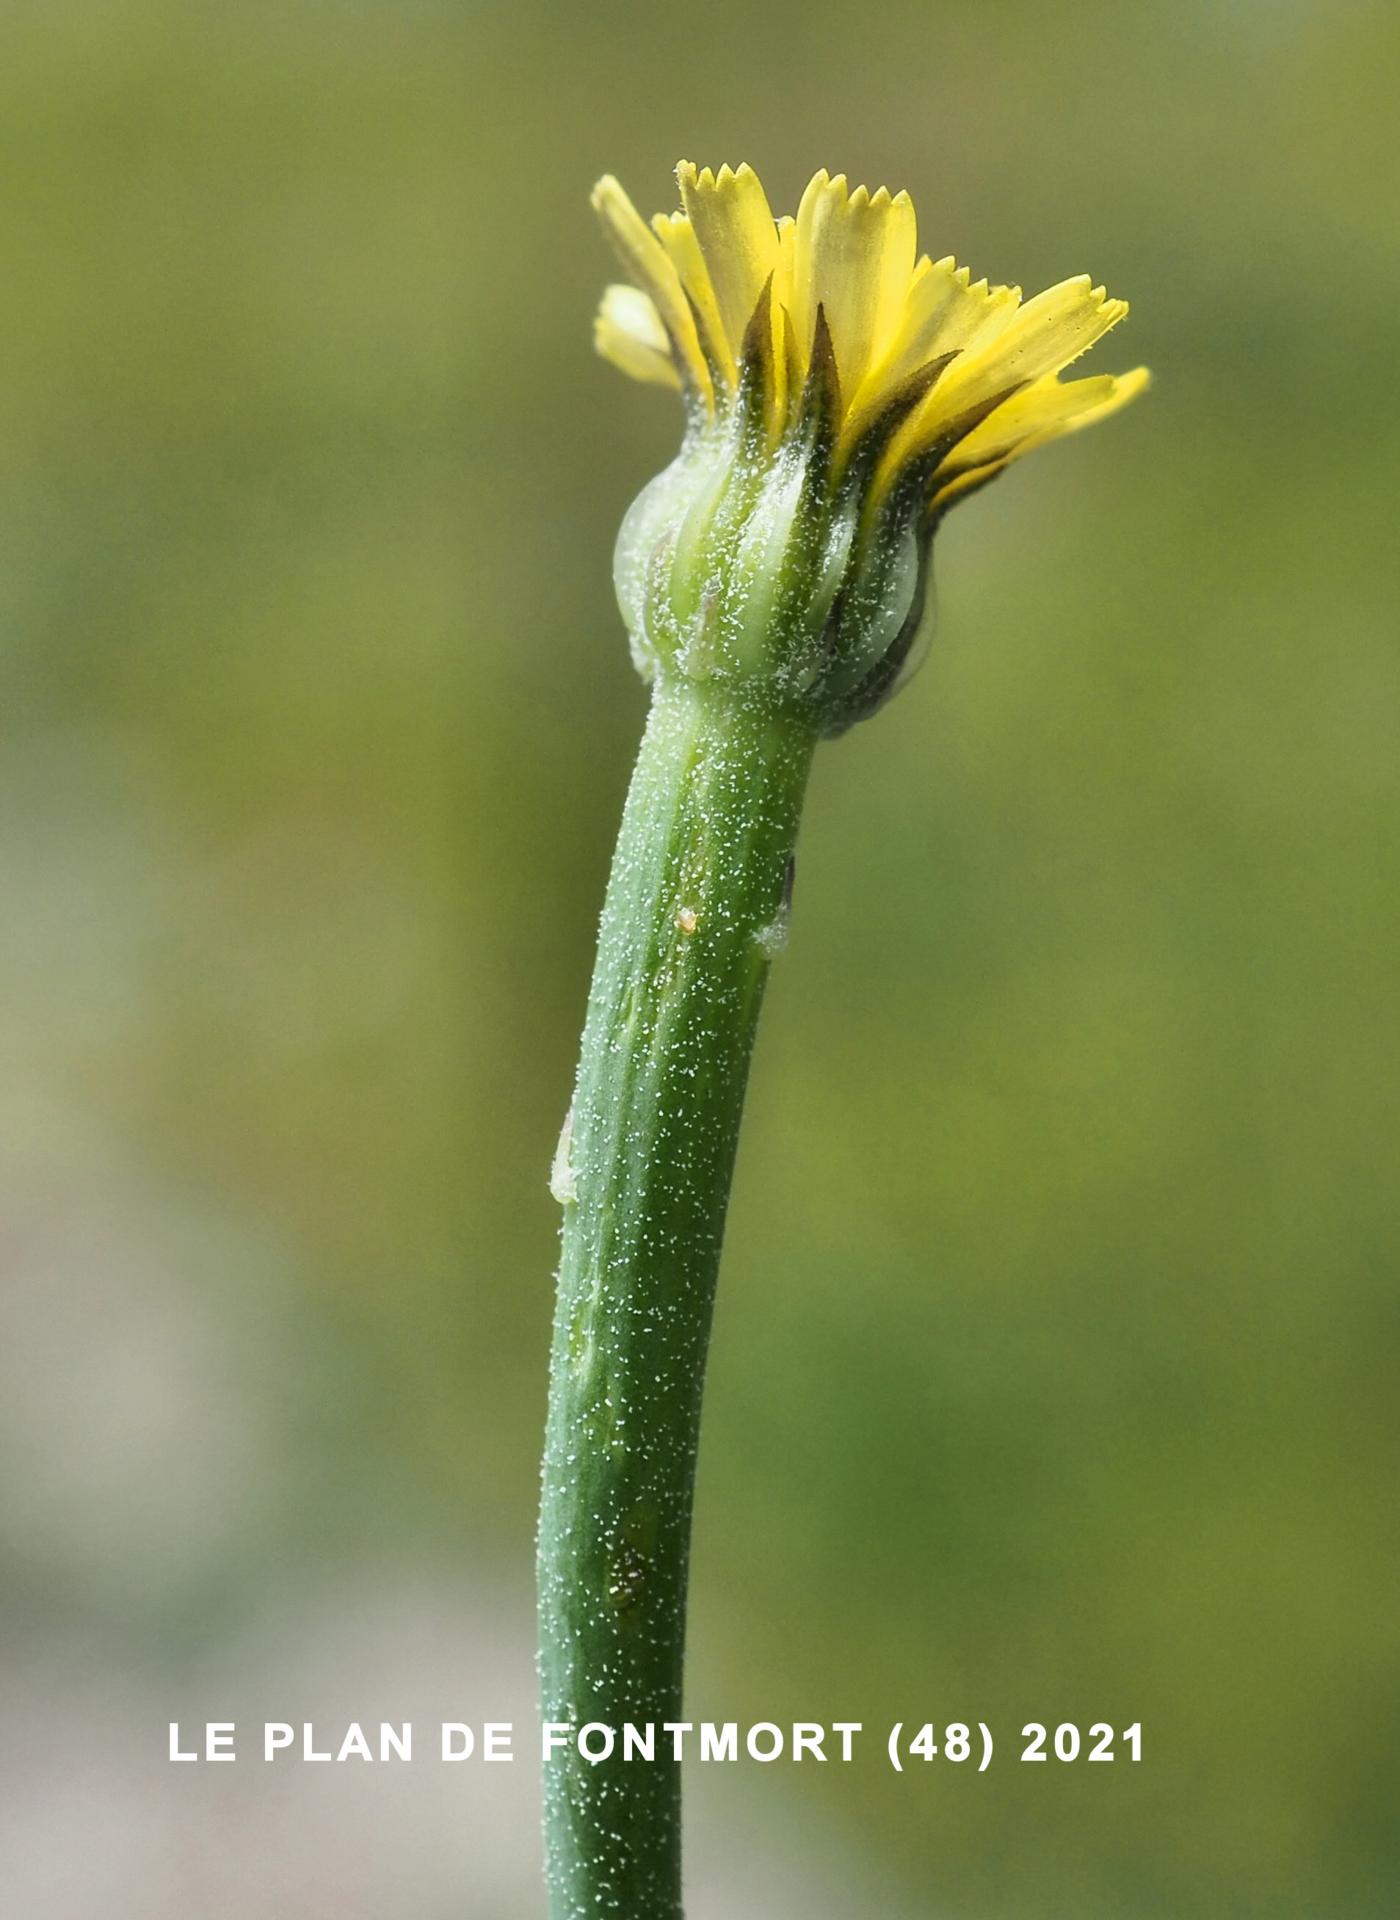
(767, 569)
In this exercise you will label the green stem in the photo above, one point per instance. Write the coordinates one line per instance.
(695, 910)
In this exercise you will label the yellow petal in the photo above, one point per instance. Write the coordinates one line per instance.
(628, 331)
(1047, 333)
(854, 256)
(1043, 336)
(738, 237)
(677, 236)
(649, 264)
(787, 353)
(1044, 411)
(1034, 417)
(946, 310)
(783, 263)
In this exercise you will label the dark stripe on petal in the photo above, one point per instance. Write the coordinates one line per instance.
(719, 378)
(820, 411)
(757, 372)
(912, 487)
(874, 438)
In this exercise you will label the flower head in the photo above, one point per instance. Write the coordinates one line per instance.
(841, 393)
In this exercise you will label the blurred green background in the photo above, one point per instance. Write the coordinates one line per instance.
(1054, 1376)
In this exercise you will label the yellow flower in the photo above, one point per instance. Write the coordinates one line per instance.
(963, 361)
(841, 391)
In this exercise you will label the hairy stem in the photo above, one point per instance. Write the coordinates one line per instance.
(695, 910)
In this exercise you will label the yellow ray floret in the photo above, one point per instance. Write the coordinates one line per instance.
(934, 372)
(1038, 414)
(854, 258)
(738, 238)
(654, 272)
(628, 331)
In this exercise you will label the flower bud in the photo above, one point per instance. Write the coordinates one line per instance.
(840, 396)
